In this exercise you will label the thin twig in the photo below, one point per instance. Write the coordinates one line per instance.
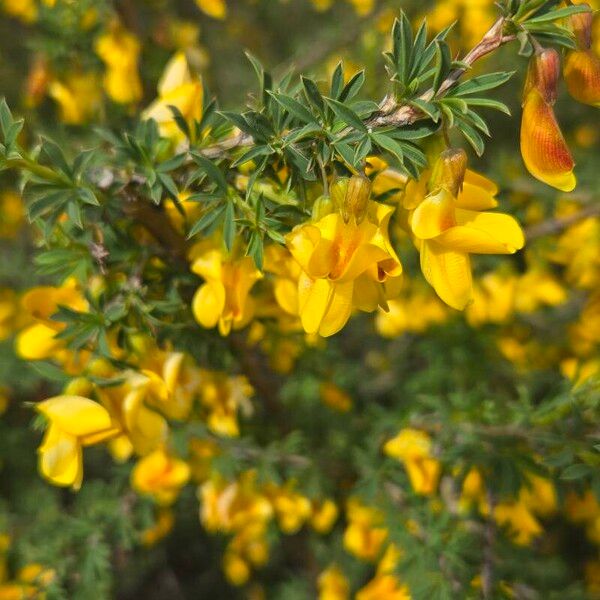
(558, 224)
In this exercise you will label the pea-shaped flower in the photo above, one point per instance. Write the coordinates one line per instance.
(74, 422)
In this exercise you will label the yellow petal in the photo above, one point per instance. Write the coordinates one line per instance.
(76, 415)
(339, 310)
(448, 272)
(483, 233)
(60, 459)
(543, 147)
(478, 192)
(209, 265)
(286, 294)
(314, 296)
(433, 216)
(37, 342)
(208, 304)
(176, 73)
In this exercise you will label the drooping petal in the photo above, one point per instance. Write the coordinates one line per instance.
(314, 296)
(433, 216)
(448, 272)
(543, 147)
(60, 458)
(582, 75)
(75, 415)
(208, 304)
(339, 310)
(483, 233)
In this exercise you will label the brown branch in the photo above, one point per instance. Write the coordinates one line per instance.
(556, 225)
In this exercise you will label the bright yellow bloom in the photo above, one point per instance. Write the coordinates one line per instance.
(543, 147)
(78, 97)
(292, 509)
(324, 515)
(364, 534)
(363, 7)
(25, 10)
(333, 584)
(539, 495)
(522, 526)
(143, 428)
(347, 261)
(161, 476)
(213, 8)
(177, 87)
(224, 299)
(74, 422)
(448, 227)
(413, 448)
(38, 341)
(385, 584)
(120, 51)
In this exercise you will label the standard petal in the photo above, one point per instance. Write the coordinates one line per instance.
(582, 74)
(176, 73)
(478, 192)
(543, 147)
(448, 272)
(37, 342)
(75, 415)
(483, 233)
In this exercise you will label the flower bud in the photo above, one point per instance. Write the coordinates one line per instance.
(322, 207)
(449, 171)
(543, 73)
(351, 197)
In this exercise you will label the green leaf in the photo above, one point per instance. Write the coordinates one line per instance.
(251, 154)
(443, 63)
(488, 103)
(313, 95)
(577, 471)
(229, 225)
(481, 83)
(472, 137)
(352, 88)
(389, 144)
(56, 157)
(214, 173)
(294, 107)
(346, 114)
(561, 13)
(212, 214)
(255, 249)
(337, 81)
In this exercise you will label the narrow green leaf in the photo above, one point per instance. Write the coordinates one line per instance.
(346, 114)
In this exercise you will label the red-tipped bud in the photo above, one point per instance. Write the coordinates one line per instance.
(543, 73)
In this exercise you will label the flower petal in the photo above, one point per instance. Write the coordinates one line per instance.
(433, 216)
(314, 296)
(543, 147)
(448, 272)
(75, 415)
(208, 304)
(339, 310)
(60, 459)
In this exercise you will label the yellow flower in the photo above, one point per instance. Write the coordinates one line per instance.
(347, 261)
(213, 8)
(362, 7)
(144, 429)
(543, 147)
(539, 495)
(364, 534)
(177, 87)
(522, 526)
(291, 508)
(286, 271)
(333, 584)
(25, 10)
(38, 341)
(78, 97)
(448, 227)
(224, 299)
(74, 422)
(322, 5)
(120, 51)
(324, 515)
(161, 476)
(385, 584)
(413, 448)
